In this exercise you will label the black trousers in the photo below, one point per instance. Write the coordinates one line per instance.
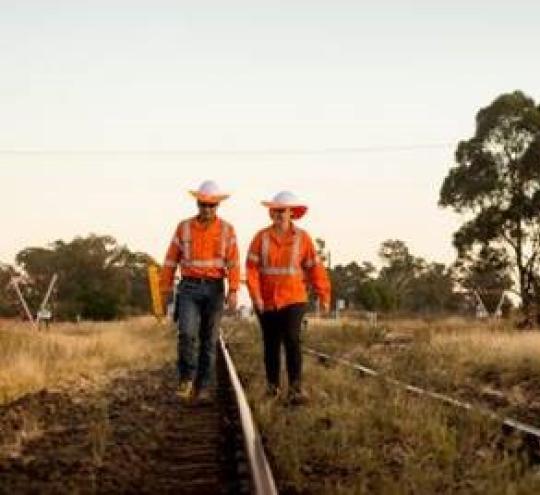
(283, 326)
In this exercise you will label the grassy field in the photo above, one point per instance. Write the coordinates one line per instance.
(357, 435)
(487, 362)
(360, 435)
(77, 355)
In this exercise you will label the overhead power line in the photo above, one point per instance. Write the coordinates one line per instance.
(270, 151)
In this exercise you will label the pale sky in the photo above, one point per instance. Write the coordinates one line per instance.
(111, 111)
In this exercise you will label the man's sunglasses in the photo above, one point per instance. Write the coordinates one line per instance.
(202, 204)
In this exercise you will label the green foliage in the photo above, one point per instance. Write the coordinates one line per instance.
(352, 282)
(405, 283)
(416, 286)
(400, 271)
(372, 296)
(97, 278)
(433, 290)
(496, 180)
(487, 272)
(8, 299)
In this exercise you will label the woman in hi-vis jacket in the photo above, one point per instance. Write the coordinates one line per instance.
(280, 259)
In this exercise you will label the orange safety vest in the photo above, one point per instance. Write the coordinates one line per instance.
(277, 268)
(202, 252)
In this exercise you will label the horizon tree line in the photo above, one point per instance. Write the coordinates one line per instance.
(494, 184)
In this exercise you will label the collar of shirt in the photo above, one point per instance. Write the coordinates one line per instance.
(286, 237)
(197, 224)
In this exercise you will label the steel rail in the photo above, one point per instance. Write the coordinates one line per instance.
(529, 432)
(261, 475)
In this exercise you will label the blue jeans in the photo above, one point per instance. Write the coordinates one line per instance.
(200, 306)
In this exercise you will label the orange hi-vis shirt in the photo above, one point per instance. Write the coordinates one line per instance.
(202, 251)
(277, 266)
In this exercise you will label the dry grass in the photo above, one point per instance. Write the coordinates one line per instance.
(446, 354)
(360, 435)
(82, 354)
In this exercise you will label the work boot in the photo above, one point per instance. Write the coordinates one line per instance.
(272, 391)
(185, 390)
(203, 397)
(297, 397)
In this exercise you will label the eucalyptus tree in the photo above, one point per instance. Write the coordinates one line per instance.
(487, 272)
(97, 277)
(496, 182)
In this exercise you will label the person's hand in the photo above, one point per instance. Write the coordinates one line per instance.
(167, 296)
(232, 300)
(165, 301)
(324, 306)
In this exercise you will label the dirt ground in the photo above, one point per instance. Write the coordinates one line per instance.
(132, 437)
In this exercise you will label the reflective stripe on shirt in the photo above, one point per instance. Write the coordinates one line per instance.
(309, 263)
(187, 260)
(293, 267)
(186, 240)
(224, 234)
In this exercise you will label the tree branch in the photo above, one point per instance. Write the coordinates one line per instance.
(509, 240)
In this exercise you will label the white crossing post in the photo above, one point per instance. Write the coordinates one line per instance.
(15, 285)
(44, 314)
(498, 311)
(49, 290)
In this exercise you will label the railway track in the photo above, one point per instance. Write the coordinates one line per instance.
(136, 437)
(529, 434)
(248, 440)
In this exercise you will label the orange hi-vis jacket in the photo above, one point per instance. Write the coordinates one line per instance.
(277, 266)
(202, 252)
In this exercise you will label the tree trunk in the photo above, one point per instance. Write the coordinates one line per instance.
(525, 287)
(536, 299)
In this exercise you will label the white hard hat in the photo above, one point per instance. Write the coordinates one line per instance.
(286, 199)
(209, 192)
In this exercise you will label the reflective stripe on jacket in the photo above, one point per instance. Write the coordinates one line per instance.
(277, 266)
(203, 252)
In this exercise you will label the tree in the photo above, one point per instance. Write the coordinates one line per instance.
(324, 256)
(405, 283)
(487, 272)
(9, 305)
(351, 283)
(411, 284)
(433, 290)
(400, 270)
(97, 278)
(496, 180)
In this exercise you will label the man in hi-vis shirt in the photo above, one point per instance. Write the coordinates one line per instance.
(205, 249)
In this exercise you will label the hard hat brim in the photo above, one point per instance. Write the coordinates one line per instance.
(209, 198)
(297, 211)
